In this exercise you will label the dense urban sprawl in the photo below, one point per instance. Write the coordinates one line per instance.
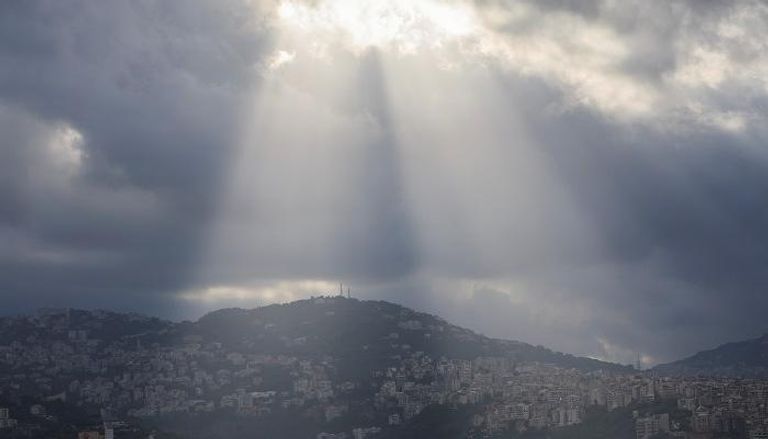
(131, 380)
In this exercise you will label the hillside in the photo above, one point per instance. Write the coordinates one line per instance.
(365, 331)
(335, 364)
(371, 334)
(747, 359)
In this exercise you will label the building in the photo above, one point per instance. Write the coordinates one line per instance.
(5, 419)
(652, 425)
(109, 431)
(332, 436)
(701, 421)
(393, 419)
(363, 433)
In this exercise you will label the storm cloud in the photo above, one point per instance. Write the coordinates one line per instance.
(590, 176)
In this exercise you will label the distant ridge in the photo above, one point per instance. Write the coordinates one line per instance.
(746, 359)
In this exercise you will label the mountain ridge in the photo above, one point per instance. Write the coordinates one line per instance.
(330, 323)
(344, 315)
(744, 359)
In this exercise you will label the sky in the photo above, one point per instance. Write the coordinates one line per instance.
(590, 176)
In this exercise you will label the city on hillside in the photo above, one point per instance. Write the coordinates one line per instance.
(102, 375)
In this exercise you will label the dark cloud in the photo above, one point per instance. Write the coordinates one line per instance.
(151, 91)
(681, 222)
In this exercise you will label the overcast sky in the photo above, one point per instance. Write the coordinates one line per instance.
(586, 175)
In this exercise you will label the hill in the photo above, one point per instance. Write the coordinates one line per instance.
(747, 359)
(368, 332)
(296, 370)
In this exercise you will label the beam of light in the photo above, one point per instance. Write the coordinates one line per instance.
(290, 208)
(486, 202)
(346, 165)
(477, 178)
(387, 150)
